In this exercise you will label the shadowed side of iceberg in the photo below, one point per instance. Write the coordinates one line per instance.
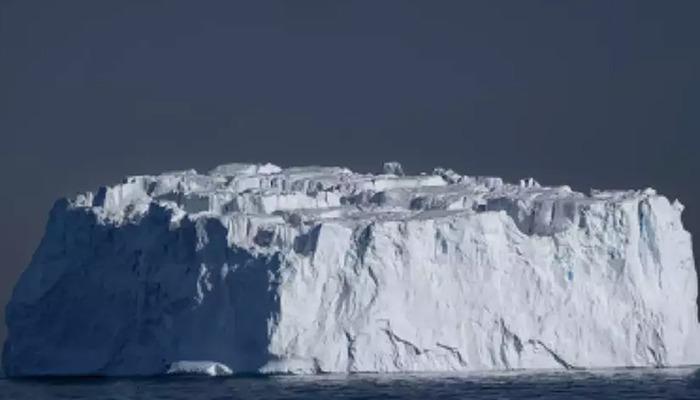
(100, 299)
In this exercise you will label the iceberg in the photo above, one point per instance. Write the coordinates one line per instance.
(207, 368)
(262, 269)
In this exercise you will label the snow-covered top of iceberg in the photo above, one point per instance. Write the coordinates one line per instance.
(308, 195)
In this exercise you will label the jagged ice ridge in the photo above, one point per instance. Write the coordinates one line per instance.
(256, 268)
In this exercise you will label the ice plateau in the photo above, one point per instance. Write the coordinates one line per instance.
(261, 269)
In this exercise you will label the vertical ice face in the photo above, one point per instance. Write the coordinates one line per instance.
(255, 268)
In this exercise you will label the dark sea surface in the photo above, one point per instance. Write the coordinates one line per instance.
(680, 383)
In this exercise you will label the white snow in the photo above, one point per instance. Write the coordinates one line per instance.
(256, 268)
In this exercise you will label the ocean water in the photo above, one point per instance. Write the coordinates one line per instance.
(682, 383)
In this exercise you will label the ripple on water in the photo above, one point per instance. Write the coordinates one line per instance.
(676, 383)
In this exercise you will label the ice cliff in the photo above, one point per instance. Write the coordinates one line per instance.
(255, 268)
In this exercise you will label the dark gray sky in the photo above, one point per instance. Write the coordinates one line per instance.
(589, 93)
